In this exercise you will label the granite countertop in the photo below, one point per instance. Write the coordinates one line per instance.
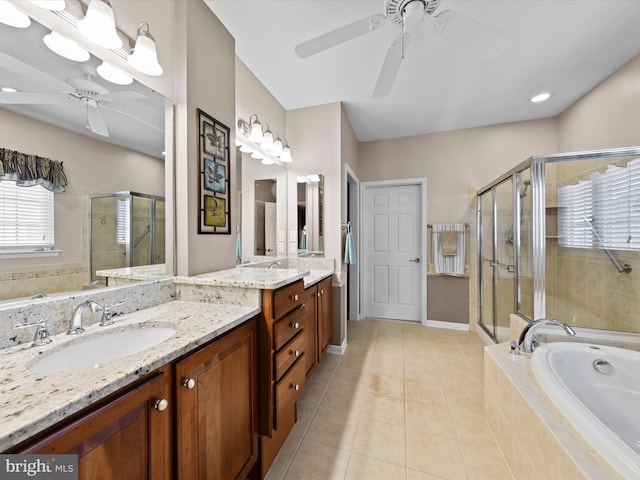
(261, 278)
(144, 272)
(33, 401)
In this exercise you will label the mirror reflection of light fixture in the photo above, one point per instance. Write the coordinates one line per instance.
(114, 74)
(145, 56)
(53, 5)
(10, 15)
(65, 48)
(99, 25)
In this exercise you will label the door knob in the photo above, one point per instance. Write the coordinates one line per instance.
(161, 405)
(415, 260)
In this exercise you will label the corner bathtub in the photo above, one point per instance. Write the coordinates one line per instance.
(597, 388)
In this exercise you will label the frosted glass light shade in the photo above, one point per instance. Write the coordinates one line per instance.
(49, 4)
(10, 15)
(286, 155)
(65, 48)
(145, 56)
(99, 25)
(114, 74)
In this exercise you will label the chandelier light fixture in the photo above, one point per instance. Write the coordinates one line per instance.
(257, 139)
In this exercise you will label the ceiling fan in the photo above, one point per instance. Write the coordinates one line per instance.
(459, 29)
(81, 90)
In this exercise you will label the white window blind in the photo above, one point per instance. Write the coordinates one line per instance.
(122, 222)
(603, 211)
(26, 217)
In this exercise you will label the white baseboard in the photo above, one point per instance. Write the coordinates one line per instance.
(338, 349)
(448, 325)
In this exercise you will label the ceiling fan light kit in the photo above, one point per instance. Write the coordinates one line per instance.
(469, 34)
(256, 138)
(10, 15)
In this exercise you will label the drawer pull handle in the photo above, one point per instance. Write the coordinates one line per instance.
(161, 405)
(295, 386)
(189, 383)
(295, 297)
(294, 325)
(322, 291)
(318, 294)
(295, 353)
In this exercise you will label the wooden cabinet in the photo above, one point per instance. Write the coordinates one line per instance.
(128, 437)
(325, 316)
(282, 365)
(217, 414)
(195, 418)
(311, 337)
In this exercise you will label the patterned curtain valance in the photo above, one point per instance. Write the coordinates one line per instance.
(28, 170)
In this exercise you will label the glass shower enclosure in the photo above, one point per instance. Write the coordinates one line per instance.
(127, 229)
(559, 236)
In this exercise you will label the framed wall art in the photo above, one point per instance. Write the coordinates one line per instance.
(214, 205)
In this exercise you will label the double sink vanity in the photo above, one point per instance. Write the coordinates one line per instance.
(197, 377)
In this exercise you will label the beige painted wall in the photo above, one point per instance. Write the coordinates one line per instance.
(204, 78)
(91, 166)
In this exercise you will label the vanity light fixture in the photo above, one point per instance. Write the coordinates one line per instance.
(541, 97)
(99, 25)
(114, 74)
(257, 155)
(253, 136)
(308, 178)
(10, 15)
(8, 89)
(65, 48)
(145, 56)
(53, 5)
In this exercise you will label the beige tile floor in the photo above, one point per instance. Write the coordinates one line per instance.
(404, 402)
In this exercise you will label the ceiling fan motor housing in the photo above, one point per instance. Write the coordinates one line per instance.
(395, 8)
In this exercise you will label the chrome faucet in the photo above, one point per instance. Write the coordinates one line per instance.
(275, 264)
(75, 325)
(529, 341)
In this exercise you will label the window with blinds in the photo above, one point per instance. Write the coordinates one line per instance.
(122, 222)
(26, 218)
(602, 211)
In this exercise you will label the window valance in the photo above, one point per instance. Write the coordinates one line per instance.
(27, 170)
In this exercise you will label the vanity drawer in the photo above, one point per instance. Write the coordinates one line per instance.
(288, 390)
(290, 353)
(287, 298)
(285, 329)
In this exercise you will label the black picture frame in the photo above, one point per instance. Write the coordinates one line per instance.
(214, 198)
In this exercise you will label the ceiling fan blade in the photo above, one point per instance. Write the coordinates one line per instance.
(391, 66)
(132, 117)
(123, 96)
(96, 122)
(9, 63)
(30, 98)
(469, 34)
(340, 35)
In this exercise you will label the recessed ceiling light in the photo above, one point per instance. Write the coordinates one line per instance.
(541, 97)
(9, 89)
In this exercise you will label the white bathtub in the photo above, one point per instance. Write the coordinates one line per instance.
(604, 405)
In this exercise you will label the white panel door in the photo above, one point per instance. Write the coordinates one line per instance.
(393, 286)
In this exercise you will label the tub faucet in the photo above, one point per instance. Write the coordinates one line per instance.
(75, 325)
(529, 341)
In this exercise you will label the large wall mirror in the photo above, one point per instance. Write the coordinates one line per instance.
(264, 208)
(310, 215)
(110, 138)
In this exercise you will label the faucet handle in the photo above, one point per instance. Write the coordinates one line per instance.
(107, 315)
(42, 335)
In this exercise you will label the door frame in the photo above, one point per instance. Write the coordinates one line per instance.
(421, 182)
(353, 305)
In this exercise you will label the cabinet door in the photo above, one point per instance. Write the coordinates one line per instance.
(325, 316)
(127, 438)
(217, 409)
(311, 328)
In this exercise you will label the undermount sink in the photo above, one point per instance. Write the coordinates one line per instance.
(102, 347)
